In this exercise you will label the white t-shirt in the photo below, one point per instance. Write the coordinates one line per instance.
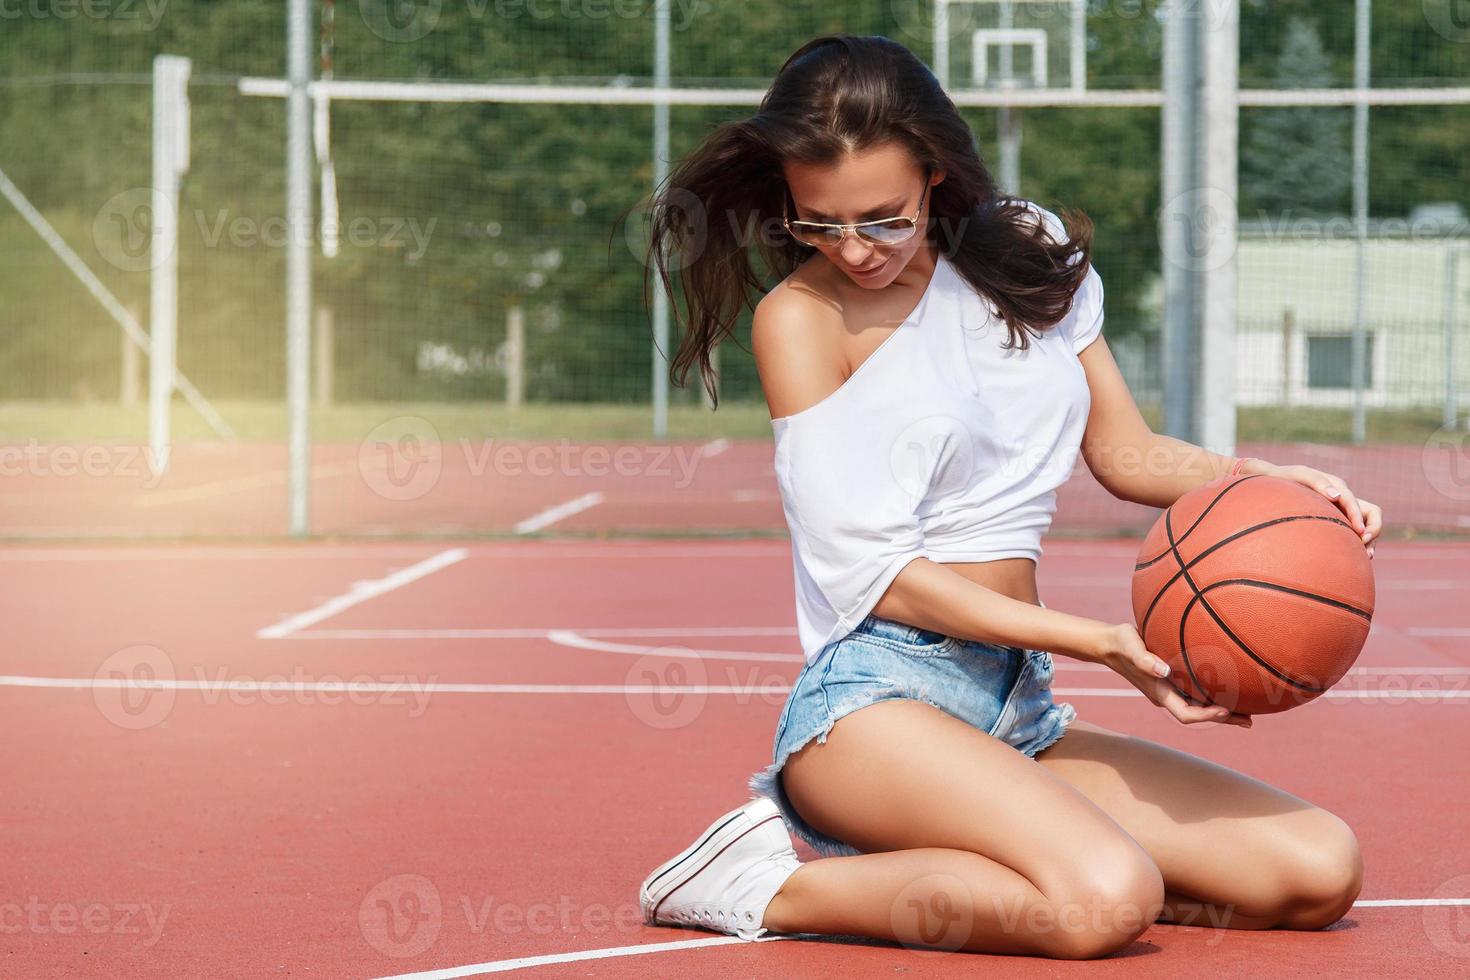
(940, 445)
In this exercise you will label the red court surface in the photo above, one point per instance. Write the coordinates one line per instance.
(445, 759)
(419, 484)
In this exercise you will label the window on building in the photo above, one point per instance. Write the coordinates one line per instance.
(1330, 361)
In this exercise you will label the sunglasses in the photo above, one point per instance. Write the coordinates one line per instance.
(881, 231)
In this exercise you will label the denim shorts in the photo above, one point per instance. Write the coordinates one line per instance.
(1004, 691)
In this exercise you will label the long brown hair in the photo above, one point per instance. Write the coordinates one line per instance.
(839, 94)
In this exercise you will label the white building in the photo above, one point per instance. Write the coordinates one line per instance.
(1297, 306)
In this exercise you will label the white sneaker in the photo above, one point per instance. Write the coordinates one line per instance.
(726, 878)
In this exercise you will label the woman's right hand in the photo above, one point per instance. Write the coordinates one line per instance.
(1123, 651)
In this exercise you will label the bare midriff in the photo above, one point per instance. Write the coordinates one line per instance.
(1014, 577)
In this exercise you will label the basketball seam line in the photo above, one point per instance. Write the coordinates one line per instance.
(1198, 596)
(1184, 651)
(1190, 530)
(1217, 546)
(1183, 571)
(1328, 600)
(1244, 649)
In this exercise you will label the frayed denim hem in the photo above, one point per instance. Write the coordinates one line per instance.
(767, 782)
(1065, 715)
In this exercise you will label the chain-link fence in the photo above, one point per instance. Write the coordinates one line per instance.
(472, 281)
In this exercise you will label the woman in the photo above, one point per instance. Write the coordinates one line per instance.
(932, 359)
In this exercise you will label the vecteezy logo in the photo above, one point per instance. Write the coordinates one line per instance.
(1447, 918)
(401, 916)
(1445, 461)
(1201, 213)
(133, 687)
(935, 454)
(916, 20)
(666, 691)
(933, 913)
(401, 459)
(124, 228)
(400, 21)
(679, 208)
(1450, 19)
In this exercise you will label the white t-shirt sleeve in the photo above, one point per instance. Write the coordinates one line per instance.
(858, 524)
(1083, 323)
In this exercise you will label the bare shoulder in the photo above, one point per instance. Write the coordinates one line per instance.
(796, 339)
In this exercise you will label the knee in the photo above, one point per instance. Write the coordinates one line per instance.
(1104, 908)
(1325, 876)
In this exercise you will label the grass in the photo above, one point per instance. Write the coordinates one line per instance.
(266, 421)
(260, 421)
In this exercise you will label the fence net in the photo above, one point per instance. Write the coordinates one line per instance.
(478, 292)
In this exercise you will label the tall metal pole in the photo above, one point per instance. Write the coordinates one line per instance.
(1008, 120)
(1451, 324)
(298, 264)
(941, 42)
(1219, 156)
(170, 161)
(1362, 51)
(1180, 188)
(660, 173)
(1078, 47)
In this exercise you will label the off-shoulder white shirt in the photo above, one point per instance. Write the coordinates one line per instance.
(941, 445)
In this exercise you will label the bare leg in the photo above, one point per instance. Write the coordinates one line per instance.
(1235, 852)
(970, 844)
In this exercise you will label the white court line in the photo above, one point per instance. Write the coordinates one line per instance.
(378, 687)
(526, 962)
(436, 687)
(501, 966)
(762, 547)
(552, 549)
(570, 638)
(143, 549)
(1332, 695)
(1438, 631)
(361, 592)
(151, 551)
(531, 632)
(580, 639)
(511, 633)
(1434, 671)
(553, 514)
(1389, 903)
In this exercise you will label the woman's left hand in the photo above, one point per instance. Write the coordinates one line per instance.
(1365, 518)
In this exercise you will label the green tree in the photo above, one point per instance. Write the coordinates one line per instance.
(1297, 159)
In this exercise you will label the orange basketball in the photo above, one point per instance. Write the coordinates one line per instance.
(1256, 591)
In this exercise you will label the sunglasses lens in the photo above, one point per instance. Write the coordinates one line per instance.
(888, 232)
(814, 234)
